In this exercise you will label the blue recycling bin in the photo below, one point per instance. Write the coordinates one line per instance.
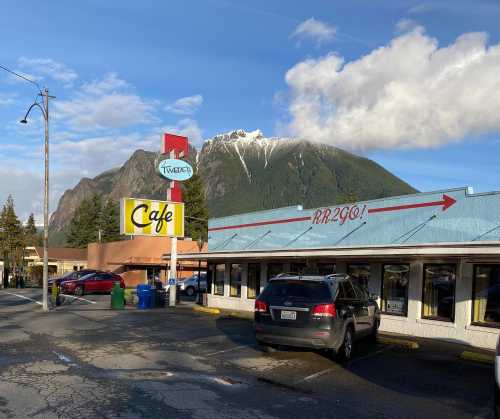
(144, 295)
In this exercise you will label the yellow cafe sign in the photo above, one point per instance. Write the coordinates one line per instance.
(145, 217)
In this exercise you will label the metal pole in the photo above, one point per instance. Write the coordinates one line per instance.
(173, 272)
(46, 206)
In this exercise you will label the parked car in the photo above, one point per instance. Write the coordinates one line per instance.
(98, 282)
(190, 285)
(70, 276)
(321, 312)
(497, 381)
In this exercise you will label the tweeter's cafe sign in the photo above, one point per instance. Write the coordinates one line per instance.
(145, 217)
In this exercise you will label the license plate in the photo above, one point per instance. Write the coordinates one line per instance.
(288, 315)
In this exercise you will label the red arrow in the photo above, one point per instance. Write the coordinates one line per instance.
(447, 202)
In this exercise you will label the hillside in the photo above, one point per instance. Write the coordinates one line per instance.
(244, 171)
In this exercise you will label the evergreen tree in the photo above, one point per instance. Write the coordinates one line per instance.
(195, 207)
(86, 223)
(91, 220)
(110, 222)
(11, 235)
(30, 232)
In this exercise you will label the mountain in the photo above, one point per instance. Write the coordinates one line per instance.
(244, 171)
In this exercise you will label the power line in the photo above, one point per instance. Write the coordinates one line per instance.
(22, 77)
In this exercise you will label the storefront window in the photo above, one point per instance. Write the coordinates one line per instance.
(235, 280)
(297, 268)
(438, 300)
(359, 273)
(210, 276)
(395, 289)
(326, 268)
(486, 295)
(253, 284)
(220, 271)
(274, 269)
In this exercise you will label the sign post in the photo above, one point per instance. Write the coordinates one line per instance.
(176, 147)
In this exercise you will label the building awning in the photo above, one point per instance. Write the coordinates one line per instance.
(429, 250)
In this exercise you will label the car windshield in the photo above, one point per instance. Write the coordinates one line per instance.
(316, 290)
(87, 276)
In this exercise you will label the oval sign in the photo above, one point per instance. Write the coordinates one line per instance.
(174, 169)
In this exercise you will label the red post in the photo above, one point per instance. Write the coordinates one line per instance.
(174, 147)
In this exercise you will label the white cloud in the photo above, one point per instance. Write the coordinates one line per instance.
(47, 67)
(6, 99)
(316, 30)
(406, 25)
(104, 104)
(408, 94)
(186, 105)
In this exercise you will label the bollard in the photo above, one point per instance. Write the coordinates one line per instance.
(117, 297)
(56, 299)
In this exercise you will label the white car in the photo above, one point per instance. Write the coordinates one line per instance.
(190, 285)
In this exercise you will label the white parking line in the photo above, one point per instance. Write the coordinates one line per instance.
(235, 348)
(78, 298)
(315, 375)
(22, 296)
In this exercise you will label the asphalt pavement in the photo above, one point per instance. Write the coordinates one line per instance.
(84, 360)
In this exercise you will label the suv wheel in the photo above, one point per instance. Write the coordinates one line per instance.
(374, 332)
(347, 345)
(190, 291)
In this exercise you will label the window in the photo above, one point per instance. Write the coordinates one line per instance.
(438, 299)
(235, 280)
(298, 290)
(210, 275)
(395, 280)
(75, 268)
(361, 292)
(346, 291)
(297, 268)
(326, 268)
(220, 271)
(273, 269)
(486, 295)
(253, 285)
(359, 273)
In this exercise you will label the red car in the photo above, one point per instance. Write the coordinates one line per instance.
(97, 282)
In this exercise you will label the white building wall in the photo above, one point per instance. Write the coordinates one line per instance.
(460, 331)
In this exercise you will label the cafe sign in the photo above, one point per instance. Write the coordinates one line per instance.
(175, 169)
(145, 217)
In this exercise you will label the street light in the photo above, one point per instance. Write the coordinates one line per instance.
(45, 113)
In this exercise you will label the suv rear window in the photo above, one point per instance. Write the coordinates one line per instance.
(297, 289)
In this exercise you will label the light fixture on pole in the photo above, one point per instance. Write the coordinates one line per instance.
(44, 107)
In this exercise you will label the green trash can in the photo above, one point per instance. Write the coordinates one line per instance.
(117, 297)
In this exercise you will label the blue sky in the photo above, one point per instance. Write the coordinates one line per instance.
(123, 72)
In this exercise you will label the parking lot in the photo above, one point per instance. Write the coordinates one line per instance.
(84, 360)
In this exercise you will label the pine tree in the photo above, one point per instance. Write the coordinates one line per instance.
(11, 235)
(92, 219)
(86, 223)
(110, 222)
(195, 206)
(30, 232)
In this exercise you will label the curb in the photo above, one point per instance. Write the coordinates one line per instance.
(243, 315)
(478, 357)
(206, 310)
(409, 344)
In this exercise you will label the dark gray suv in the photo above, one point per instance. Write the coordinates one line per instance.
(321, 312)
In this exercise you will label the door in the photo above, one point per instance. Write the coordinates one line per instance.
(366, 312)
(105, 282)
(351, 302)
(91, 284)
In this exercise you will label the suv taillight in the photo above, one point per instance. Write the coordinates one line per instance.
(325, 310)
(260, 306)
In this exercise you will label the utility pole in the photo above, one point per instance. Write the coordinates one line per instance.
(46, 207)
(44, 107)
(173, 272)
